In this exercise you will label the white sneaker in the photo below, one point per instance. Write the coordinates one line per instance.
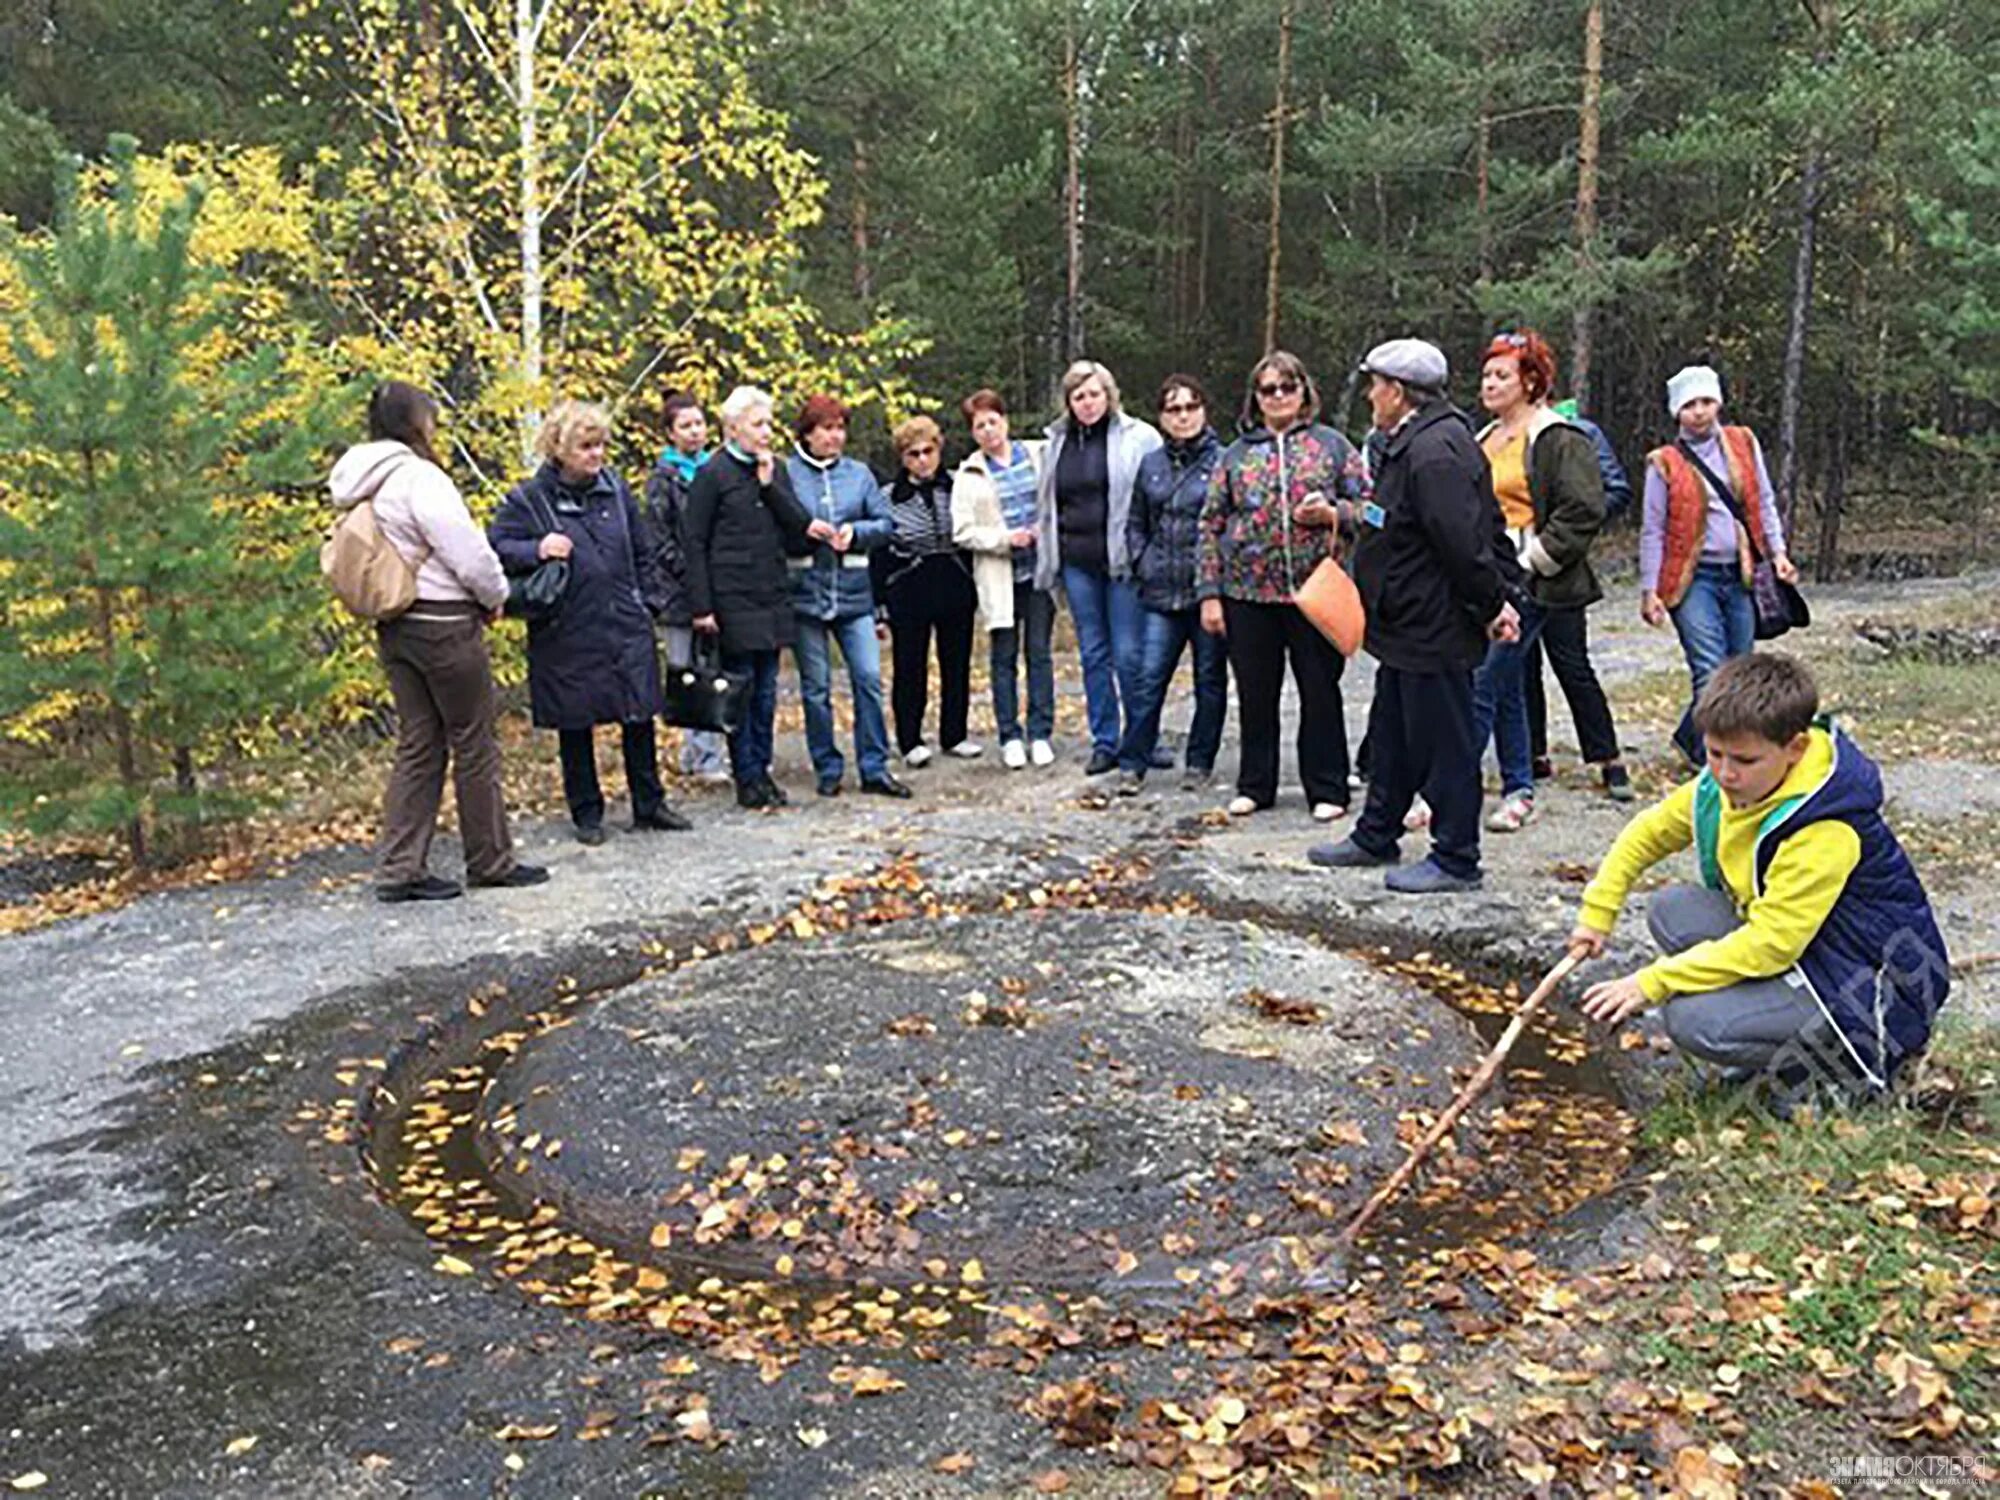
(1042, 753)
(1513, 814)
(967, 750)
(1242, 807)
(917, 755)
(1419, 815)
(1326, 812)
(1013, 755)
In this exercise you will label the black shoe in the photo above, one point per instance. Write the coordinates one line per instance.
(774, 795)
(751, 794)
(829, 787)
(662, 819)
(590, 833)
(1100, 762)
(1618, 783)
(885, 785)
(519, 876)
(423, 888)
(1346, 855)
(1542, 768)
(1429, 878)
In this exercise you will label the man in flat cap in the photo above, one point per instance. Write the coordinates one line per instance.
(1436, 575)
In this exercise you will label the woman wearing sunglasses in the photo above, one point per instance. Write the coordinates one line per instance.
(923, 583)
(1271, 517)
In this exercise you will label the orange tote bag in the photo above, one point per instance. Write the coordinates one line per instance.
(1331, 601)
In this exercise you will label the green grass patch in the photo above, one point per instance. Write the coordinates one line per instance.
(1830, 1246)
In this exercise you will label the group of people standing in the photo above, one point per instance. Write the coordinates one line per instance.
(1470, 550)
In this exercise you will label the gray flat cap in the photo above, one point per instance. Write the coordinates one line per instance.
(1412, 361)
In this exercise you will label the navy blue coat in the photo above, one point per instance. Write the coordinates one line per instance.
(593, 662)
(1163, 531)
(1877, 967)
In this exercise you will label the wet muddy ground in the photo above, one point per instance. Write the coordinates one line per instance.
(782, 1158)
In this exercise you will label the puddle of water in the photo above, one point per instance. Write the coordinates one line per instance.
(1557, 1139)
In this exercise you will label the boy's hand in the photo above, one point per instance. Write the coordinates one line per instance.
(1613, 1000)
(1587, 941)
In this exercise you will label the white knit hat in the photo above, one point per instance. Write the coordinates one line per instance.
(1692, 384)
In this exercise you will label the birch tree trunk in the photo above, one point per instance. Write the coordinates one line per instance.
(1589, 119)
(1072, 196)
(1275, 226)
(526, 34)
(864, 271)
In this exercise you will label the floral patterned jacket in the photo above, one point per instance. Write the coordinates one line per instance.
(1252, 548)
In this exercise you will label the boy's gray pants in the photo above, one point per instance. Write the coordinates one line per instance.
(1743, 1025)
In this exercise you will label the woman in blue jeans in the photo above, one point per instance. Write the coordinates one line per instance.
(1551, 495)
(834, 598)
(1083, 507)
(1695, 556)
(1162, 538)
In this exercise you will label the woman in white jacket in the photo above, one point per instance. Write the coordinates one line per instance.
(993, 518)
(434, 654)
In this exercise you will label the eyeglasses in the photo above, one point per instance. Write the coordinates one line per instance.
(923, 451)
(1513, 340)
(1180, 408)
(1278, 388)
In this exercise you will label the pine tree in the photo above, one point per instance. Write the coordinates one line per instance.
(141, 628)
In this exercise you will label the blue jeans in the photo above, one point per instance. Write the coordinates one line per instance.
(1035, 617)
(1716, 619)
(1111, 639)
(856, 636)
(1500, 703)
(1165, 635)
(750, 741)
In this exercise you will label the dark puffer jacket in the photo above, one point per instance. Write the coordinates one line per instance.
(592, 662)
(665, 512)
(1164, 529)
(1433, 563)
(736, 531)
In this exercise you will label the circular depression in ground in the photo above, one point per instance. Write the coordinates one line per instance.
(1046, 1096)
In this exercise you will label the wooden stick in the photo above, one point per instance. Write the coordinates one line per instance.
(1473, 1089)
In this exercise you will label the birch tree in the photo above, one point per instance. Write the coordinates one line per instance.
(582, 198)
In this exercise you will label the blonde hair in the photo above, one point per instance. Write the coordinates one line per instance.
(1082, 373)
(916, 430)
(568, 421)
(740, 402)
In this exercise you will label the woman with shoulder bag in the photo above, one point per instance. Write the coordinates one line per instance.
(1271, 517)
(1699, 548)
(592, 659)
(434, 654)
(703, 751)
(741, 517)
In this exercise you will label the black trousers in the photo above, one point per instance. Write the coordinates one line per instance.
(1565, 637)
(931, 598)
(579, 773)
(1262, 637)
(1420, 740)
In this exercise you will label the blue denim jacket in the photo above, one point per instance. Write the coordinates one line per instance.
(828, 585)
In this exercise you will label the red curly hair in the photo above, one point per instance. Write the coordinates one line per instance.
(1532, 356)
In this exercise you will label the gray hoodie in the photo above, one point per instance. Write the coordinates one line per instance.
(424, 518)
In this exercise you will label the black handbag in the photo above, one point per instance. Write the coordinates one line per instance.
(1779, 605)
(537, 595)
(698, 693)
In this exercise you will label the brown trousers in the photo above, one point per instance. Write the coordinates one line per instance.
(442, 680)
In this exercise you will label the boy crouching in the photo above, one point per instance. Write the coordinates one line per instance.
(1809, 947)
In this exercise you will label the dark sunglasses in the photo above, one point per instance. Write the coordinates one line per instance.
(1278, 388)
(1179, 408)
(919, 452)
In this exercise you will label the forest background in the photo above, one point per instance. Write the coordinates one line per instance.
(509, 200)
